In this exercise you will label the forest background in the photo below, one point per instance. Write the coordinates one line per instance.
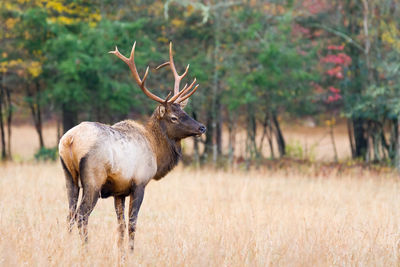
(259, 64)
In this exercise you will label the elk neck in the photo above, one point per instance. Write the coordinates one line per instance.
(167, 150)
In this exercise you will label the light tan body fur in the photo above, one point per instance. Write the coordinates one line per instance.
(120, 154)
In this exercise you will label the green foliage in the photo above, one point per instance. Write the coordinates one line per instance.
(248, 57)
(81, 70)
(297, 151)
(279, 76)
(46, 154)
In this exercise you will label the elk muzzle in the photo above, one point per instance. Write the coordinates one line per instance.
(202, 129)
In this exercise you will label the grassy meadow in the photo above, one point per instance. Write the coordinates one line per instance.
(207, 218)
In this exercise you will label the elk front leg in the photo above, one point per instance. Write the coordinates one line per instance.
(134, 206)
(119, 203)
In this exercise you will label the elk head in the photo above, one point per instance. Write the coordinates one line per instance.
(176, 123)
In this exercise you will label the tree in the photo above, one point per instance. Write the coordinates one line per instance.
(365, 88)
(274, 75)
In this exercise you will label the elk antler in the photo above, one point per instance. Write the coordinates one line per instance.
(131, 63)
(178, 97)
(184, 94)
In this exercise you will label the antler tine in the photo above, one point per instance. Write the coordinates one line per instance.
(171, 60)
(190, 87)
(188, 95)
(162, 65)
(186, 71)
(172, 64)
(145, 75)
(132, 55)
(172, 100)
(183, 92)
(177, 77)
(168, 96)
(118, 54)
(131, 63)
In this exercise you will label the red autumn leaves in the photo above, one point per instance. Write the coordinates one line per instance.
(336, 60)
(335, 94)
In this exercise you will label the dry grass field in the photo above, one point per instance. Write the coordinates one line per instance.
(208, 218)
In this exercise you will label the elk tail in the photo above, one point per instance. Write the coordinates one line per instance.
(67, 158)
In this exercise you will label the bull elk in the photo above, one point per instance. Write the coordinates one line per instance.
(121, 159)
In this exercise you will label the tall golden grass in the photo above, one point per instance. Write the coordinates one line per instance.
(208, 218)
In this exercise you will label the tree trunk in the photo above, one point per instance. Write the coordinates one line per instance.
(34, 105)
(251, 133)
(208, 144)
(59, 130)
(264, 134)
(376, 141)
(232, 138)
(9, 120)
(215, 86)
(196, 153)
(232, 143)
(39, 127)
(219, 127)
(398, 145)
(333, 142)
(69, 117)
(358, 79)
(3, 137)
(393, 140)
(279, 136)
(270, 136)
(385, 146)
(350, 131)
(360, 138)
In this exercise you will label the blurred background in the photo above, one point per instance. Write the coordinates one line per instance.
(308, 80)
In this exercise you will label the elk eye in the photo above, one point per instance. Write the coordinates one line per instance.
(174, 119)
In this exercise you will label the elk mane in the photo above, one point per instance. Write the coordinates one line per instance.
(167, 150)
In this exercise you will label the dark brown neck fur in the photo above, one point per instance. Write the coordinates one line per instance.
(168, 151)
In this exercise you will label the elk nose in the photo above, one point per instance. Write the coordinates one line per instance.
(202, 129)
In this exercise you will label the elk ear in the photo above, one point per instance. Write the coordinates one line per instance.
(184, 103)
(161, 111)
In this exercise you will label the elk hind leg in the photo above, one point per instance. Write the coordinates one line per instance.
(91, 193)
(119, 203)
(73, 195)
(89, 200)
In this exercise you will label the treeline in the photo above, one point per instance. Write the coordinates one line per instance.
(257, 62)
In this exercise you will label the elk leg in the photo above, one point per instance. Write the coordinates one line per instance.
(73, 195)
(119, 203)
(89, 200)
(134, 206)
